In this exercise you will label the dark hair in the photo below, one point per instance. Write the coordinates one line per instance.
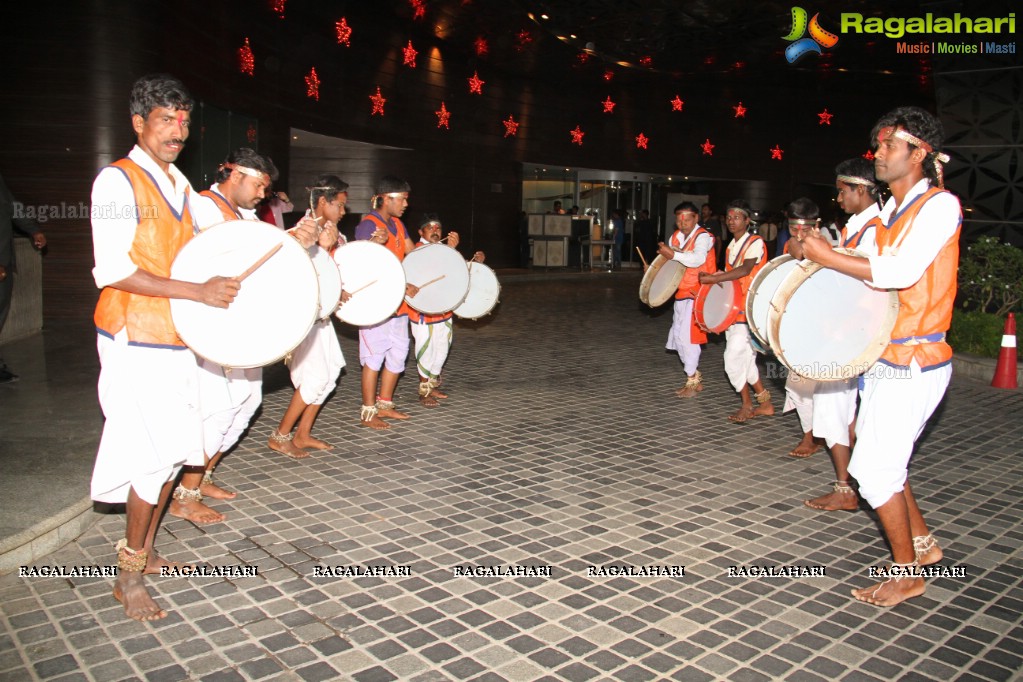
(686, 206)
(158, 90)
(859, 167)
(918, 123)
(249, 158)
(742, 205)
(427, 219)
(804, 209)
(327, 186)
(390, 184)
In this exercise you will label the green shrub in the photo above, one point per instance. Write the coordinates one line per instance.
(977, 333)
(991, 277)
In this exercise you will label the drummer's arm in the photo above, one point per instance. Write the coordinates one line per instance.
(217, 291)
(698, 256)
(819, 250)
(735, 273)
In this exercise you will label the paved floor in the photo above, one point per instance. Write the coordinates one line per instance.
(561, 446)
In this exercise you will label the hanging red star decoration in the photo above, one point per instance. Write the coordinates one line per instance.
(608, 75)
(708, 148)
(410, 55)
(418, 9)
(475, 84)
(511, 126)
(251, 133)
(825, 118)
(869, 156)
(646, 62)
(609, 106)
(344, 32)
(481, 46)
(582, 58)
(278, 7)
(522, 39)
(378, 103)
(641, 141)
(740, 111)
(676, 104)
(312, 85)
(777, 152)
(246, 60)
(577, 136)
(443, 115)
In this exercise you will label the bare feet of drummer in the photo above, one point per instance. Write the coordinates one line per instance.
(214, 491)
(391, 413)
(285, 445)
(807, 446)
(302, 441)
(892, 591)
(842, 498)
(194, 511)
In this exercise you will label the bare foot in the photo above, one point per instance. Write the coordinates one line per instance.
(807, 446)
(130, 590)
(310, 442)
(763, 410)
(834, 501)
(194, 511)
(931, 555)
(689, 391)
(214, 491)
(391, 413)
(375, 423)
(428, 400)
(287, 448)
(437, 394)
(743, 414)
(157, 562)
(891, 592)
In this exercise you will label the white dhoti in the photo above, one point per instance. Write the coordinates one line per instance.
(150, 398)
(740, 358)
(229, 399)
(894, 408)
(799, 392)
(834, 409)
(433, 341)
(316, 363)
(679, 336)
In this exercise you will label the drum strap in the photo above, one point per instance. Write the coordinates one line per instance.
(917, 340)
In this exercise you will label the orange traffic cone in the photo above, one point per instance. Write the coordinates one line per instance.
(1005, 371)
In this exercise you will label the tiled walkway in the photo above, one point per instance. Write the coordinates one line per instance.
(562, 446)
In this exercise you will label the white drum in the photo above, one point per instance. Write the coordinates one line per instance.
(758, 298)
(275, 307)
(717, 305)
(329, 279)
(441, 275)
(828, 326)
(372, 274)
(660, 281)
(484, 292)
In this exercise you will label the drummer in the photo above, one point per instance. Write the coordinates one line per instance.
(383, 347)
(229, 397)
(834, 402)
(803, 216)
(432, 334)
(917, 253)
(693, 247)
(744, 258)
(317, 362)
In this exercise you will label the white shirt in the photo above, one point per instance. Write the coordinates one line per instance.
(698, 256)
(114, 214)
(935, 224)
(206, 213)
(867, 244)
(755, 251)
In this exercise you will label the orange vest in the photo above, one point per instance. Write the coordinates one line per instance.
(853, 242)
(690, 283)
(740, 258)
(223, 204)
(925, 309)
(396, 245)
(157, 241)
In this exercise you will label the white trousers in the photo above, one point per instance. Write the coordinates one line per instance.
(740, 358)
(799, 392)
(433, 342)
(316, 363)
(834, 409)
(229, 399)
(678, 336)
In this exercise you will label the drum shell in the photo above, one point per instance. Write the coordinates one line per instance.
(484, 293)
(373, 275)
(761, 291)
(721, 303)
(660, 281)
(329, 281)
(442, 276)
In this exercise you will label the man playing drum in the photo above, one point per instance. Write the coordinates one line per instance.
(383, 348)
(229, 397)
(834, 402)
(693, 247)
(432, 334)
(317, 362)
(744, 257)
(148, 382)
(903, 388)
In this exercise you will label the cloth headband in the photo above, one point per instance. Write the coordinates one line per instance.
(855, 180)
(903, 134)
(804, 221)
(245, 170)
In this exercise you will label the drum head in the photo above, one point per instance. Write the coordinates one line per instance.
(329, 280)
(484, 292)
(717, 305)
(275, 307)
(660, 281)
(442, 276)
(372, 274)
(828, 326)
(761, 291)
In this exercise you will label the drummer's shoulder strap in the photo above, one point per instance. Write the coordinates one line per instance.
(223, 204)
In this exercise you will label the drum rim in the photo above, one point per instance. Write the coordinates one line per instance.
(701, 299)
(374, 247)
(497, 299)
(875, 348)
(769, 267)
(409, 300)
(652, 273)
(340, 284)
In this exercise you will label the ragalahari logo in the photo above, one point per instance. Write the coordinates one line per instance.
(801, 46)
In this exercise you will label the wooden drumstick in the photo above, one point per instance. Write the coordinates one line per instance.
(364, 286)
(435, 279)
(645, 265)
(255, 266)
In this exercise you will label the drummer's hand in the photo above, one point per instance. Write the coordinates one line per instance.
(815, 245)
(411, 290)
(219, 292)
(306, 232)
(379, 236)
(664, 252)
(479, 257)
(708, 278)
(452, 239)
(328, 237)
(345, 297)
